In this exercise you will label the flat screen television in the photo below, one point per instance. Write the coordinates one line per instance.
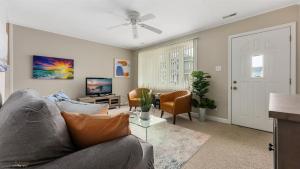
(98, 86)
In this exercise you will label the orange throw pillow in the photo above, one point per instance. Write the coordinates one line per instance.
(87, 130)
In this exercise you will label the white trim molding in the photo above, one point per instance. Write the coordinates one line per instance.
(292, 27)
(211, 118)
(218, 119)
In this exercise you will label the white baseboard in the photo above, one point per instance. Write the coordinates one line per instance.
(218, 119)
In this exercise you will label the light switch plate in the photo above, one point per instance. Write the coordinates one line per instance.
(218, 68)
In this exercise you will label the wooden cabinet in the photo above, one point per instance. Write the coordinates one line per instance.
(112, 100)
(285, 109)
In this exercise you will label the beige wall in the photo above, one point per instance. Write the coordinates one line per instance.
(90, 59)
(213, 50)
(3, 10)
(3, 45)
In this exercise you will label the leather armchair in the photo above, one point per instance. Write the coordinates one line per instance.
(134, 97)
(176, 103)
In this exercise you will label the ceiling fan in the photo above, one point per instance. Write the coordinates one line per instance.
(135, 20)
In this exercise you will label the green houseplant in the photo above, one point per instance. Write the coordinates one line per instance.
(200, 89)
(146, 103)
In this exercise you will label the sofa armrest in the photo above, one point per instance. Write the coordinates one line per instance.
(148, 156)
(125, 152)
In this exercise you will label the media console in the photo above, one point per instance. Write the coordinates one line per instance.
(112, 100)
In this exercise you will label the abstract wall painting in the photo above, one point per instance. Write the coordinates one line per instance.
(122, 68)
(52, 68)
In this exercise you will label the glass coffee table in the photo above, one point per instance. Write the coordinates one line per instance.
(135, 119)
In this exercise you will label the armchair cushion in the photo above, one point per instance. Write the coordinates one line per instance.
(135, 100)
(167, 106)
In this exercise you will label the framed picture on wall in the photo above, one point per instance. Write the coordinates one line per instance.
(122, 68)
(52, 68)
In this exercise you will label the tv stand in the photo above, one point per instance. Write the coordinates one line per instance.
(112, 100)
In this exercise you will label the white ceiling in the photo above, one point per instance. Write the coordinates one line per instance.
(89, 19)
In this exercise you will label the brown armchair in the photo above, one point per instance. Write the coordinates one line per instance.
(176, 103)
(134, 97)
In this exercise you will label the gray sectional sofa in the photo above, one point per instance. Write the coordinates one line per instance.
(34, 135)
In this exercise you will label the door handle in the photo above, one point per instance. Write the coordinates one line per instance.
(271, 147)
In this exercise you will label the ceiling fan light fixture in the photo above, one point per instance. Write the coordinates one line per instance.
(134, 19)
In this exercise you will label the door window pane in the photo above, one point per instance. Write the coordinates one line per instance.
(257, 66)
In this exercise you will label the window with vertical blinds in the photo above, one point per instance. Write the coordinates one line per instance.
(168, 67)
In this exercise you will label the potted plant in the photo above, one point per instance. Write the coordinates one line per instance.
(200, 89)
(146, 103)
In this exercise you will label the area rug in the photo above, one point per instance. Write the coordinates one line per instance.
(174, 145)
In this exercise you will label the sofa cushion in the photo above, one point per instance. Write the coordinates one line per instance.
(32, 131)
(88, 130)
(80, 107)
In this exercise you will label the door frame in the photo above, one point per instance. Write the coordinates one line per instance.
(292, 27)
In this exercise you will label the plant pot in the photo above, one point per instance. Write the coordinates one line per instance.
(145, 115)
(202, 114)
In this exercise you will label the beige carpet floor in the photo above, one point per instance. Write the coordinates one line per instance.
(229, 146)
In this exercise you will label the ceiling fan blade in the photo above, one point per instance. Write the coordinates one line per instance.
(134, 31)
(116, 26)
(146, 17)
(151, 28)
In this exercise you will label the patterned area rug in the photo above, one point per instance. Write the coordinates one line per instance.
(173, 145)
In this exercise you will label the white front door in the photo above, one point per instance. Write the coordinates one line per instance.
(260, 65)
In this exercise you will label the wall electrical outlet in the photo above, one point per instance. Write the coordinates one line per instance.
(218, 68)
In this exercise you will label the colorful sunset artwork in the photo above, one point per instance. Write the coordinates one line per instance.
(52, 68)
(122, 68)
